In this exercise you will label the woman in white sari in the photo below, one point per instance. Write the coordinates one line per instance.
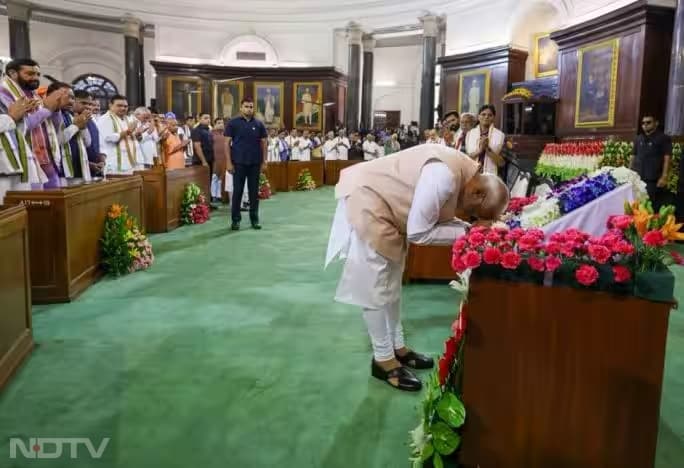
(484, 142)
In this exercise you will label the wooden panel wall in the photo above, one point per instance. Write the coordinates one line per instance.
(334, 85)
(645, 34)
(506, 65)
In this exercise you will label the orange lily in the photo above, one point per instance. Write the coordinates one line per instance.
(641, 218)
(671, 230)
(115, 211)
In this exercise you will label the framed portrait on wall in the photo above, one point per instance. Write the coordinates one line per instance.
(545, 56)
(473, 90)
(268, 99)
(184, 96)
(307, 106)
(597, 66)
(226, 98)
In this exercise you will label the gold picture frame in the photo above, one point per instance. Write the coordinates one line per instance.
(186, 107)
(236, 91)
(481, 77)
(278, 118)
(546, 65)
(597, 67)
(298, 116)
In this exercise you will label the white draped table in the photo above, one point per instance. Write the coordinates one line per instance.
(592, 217)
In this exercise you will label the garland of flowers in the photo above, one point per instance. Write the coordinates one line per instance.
(564, 161)
(443, 413)
(194, 207)
(523, 93)
(125, 249)
(264, 187)
(617, 153)
(305, 181)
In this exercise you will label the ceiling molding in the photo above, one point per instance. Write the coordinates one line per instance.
(72, 19)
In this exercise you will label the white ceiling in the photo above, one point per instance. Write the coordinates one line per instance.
(318, 14)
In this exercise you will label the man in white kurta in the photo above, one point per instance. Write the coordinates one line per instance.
(409, 196)
(343, 145)
(371, 150)
(330, 148)
(147, 138)
(116, 138)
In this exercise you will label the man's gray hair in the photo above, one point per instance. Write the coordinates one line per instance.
(141, 110)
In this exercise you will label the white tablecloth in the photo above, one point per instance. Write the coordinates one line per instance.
(592, 217)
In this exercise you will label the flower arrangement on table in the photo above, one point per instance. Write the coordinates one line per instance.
(264, 187)
(565, 161)
(125, 248)
(438, 435)
(305, 181)
(617, 153)
(573, 194)
(194, 207)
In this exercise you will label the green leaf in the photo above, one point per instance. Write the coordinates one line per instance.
(451, 410)
(428, 451)
(437, 461)
(445, 440)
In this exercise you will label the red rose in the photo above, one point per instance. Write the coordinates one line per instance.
(552, 248)
(621, 273)
(568, 249)
(528, 242)
(515, 234)
(457, 264)
(471, 259)
(558, 237)
(458, 246)
(510, 260)
(624, 248)
(493, 237)
(654, 239)
(621, 222)
(450, 350)
(586, 275)
(491, 256)
(552, 263)
(678, 259)
(476, 239)
(480, 229)
(599, 253)
(536, 263)
(537, 233)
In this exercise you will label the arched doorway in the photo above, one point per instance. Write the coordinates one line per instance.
(101, 88)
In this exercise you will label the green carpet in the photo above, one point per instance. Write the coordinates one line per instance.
(230, 352)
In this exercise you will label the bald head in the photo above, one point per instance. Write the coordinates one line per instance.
(485, 197)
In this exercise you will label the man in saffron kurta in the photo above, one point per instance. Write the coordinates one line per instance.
(409, 196)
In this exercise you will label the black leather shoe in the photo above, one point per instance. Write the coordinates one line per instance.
(256, 226)
(416, 360)
(405, 379)
(235, 227)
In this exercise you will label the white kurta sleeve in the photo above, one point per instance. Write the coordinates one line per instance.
(69, 133)
(435, 186)
(7, 123)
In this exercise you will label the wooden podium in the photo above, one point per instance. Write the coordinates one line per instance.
(333, 169)
(428, 262)
(561, 377)
(163, 191)
(277, 175)
(65, 227)
(16, 339)
(294, 168)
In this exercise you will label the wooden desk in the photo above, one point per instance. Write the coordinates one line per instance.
(16, 338)
(277, 176)
(333, 168)
(429, 262)
(163, 192)
(561, 377)
(65, 227)
(295, 167)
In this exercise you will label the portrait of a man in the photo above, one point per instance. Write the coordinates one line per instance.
(227, 97)
(473, 90)
(596, 84)
(269, 103)
(307, 105)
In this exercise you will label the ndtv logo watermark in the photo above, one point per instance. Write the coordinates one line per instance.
(55, 447)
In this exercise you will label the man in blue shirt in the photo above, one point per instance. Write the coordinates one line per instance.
(246, 144)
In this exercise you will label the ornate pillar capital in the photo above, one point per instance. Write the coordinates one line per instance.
(354, 33)
(18, 10)
(368, 43)
(430, 24)
(132, 26)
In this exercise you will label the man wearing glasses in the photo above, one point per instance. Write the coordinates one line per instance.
(651, 160)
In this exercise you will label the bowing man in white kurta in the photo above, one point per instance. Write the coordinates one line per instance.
(409, 196)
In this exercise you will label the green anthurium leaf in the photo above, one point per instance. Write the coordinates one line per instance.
(428, 451)
(437, 461)
(451, 410)
(445, 440)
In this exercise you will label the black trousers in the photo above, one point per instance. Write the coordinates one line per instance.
(658, 196)
(250, 173)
